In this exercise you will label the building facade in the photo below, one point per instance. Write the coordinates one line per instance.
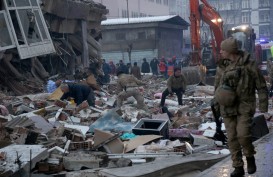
(256, 13)
(145, 37)
(135, 8)
(182, 8)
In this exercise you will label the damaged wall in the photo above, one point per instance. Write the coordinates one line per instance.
(51, 41)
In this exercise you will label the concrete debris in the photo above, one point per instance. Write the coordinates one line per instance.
(201, 140)
(119, 163)
(22, 158)
(72, 137)
(79, 161)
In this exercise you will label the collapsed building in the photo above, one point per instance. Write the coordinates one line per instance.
(43, 38)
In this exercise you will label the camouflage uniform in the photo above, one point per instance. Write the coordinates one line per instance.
(270, 73)
(128, 86)
(243, 76)
(176, 85)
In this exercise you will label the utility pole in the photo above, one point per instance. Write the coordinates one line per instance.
(130, 46)
(127, 10)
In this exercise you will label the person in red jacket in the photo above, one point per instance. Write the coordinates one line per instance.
(162, 67)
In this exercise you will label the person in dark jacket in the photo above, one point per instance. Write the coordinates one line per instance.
(106, 70)
(175, 84)
(79, 93)
(145, 67)
(135, 71)
(122, 67)
(154, 65)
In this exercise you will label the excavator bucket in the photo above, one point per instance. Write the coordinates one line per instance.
(195, 74)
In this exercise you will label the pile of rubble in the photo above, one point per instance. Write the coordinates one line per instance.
(74, 28)
(41, 134)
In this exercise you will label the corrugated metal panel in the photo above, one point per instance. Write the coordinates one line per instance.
(19, 121)
(120, 21)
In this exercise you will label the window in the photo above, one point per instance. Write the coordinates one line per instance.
(245, 4)
(245, 17)
(29, 29)
(264, 17)
(120, 36)
(143, 15)
(6, 40)
(221, 7)
(134, 14)
(264, 3)
(124, 13)
(158, 1)
(265, 31)
(166, 2)
(231, 6)
(141, 35)
(237, 5)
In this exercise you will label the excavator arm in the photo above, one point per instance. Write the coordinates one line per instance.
(210, 16)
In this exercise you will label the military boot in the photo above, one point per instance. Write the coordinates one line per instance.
(238, 172)
(251, 166)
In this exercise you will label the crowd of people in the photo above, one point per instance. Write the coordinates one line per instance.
(163, 66)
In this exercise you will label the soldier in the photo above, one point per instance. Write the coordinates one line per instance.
(177, 84)
(270, 75)
(127, 85)
(237, 79)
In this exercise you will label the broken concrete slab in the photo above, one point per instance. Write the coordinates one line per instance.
(201, 140)
(82, 173)
(21, 154)
(80, 161)
(165, 167)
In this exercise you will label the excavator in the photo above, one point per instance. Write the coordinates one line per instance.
(207, 54)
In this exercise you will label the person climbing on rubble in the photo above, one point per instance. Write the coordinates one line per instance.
(237, 78)
(127, 86)
(175, 84)
(78, 92)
